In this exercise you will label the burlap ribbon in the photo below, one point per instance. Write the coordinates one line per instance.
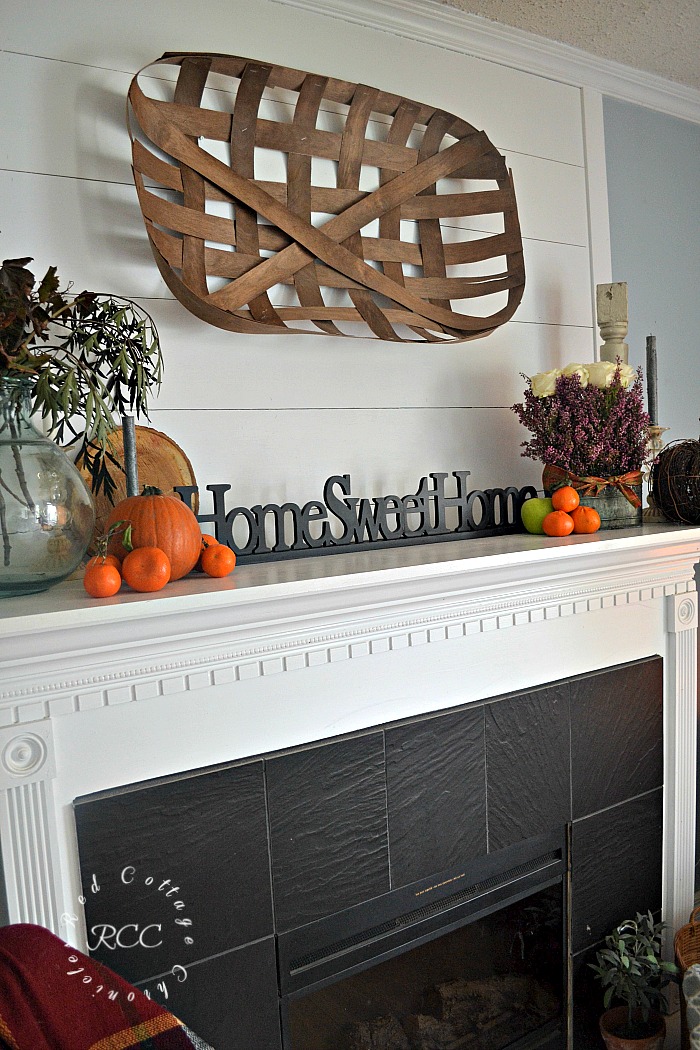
(553, 477)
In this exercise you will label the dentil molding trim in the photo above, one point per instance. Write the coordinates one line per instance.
(164, 648)
(434, 23)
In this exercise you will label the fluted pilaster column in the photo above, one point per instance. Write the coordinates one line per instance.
(27, 824)
(680, 744)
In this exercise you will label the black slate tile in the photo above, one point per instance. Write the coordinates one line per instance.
(206, 834)
(616, 857)
(527, 765)
(327, 810)
(616, 735)
(587, 1002)
(230, 1001)
(436, 788)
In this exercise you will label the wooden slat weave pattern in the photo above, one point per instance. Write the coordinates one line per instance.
(363, 236)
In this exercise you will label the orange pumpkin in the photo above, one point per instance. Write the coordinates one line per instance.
(158, 520)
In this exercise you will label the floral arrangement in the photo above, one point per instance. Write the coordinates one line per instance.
(83, 358)
(588, 420)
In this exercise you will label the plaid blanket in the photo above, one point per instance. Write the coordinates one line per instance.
(52, 997)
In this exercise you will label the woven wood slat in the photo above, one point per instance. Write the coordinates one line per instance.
(430, 229)
(300, 196)
(230, 264)
(327, 199)
(349, 172)
(293, 79)
(271, 135)
(188, 91)
(367, 253)
(253, 82)
(390, 221)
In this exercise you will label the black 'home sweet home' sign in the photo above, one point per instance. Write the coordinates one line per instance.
(341, 521)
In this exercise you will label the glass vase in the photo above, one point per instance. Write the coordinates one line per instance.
(47, 514)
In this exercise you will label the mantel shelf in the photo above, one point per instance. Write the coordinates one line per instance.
(519, 555)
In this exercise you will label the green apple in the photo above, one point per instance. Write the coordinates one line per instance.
(533, 512)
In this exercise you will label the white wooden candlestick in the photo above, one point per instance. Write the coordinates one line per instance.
(611, 307)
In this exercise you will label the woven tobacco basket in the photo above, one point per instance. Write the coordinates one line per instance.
(362, 226)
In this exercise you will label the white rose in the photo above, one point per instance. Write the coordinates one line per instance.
(600, 373)
(577, 370)
(627, 375)
(544, 383)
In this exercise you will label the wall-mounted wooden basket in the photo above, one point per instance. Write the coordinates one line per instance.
(281, 201)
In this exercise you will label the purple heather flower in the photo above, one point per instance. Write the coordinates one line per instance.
(587, 430)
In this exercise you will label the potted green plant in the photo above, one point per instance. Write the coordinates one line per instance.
(633, 974)
(80, 362)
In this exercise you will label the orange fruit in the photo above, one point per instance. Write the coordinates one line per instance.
(101, 579)
(146, 569)
(218, 560)
(207, 541)
(104, 559)
(565, 498)
(585, 519)
(558, 523)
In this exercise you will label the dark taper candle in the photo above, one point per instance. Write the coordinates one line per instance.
(130, 466)
(652, 381)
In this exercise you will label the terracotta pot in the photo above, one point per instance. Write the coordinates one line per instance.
(612, 1022)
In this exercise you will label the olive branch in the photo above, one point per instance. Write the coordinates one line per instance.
(87, 358)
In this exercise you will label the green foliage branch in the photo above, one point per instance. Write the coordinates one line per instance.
(631, 970)
(87, 359)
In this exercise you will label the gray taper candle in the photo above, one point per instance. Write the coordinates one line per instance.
(130, 467)
(652, 381)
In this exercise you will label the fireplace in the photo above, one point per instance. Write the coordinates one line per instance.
(473, 957)
(224, 702)
(368, 849)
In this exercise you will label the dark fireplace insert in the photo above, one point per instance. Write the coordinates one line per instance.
(471, 959)
(298, 870)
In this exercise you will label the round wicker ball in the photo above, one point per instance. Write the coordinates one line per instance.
(675, 482)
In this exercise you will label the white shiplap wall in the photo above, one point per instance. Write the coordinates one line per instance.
(274, 416)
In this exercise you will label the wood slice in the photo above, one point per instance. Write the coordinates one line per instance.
(160, 461)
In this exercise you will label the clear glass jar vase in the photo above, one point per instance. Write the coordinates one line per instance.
(47, 514)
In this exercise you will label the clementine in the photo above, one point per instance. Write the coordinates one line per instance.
(218, 560)
(558, 523)
(565, 498)
(207, 541)
(146, 569)
(585, 519)
(101, 579)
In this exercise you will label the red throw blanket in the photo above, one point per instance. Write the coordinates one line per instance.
(52, 997)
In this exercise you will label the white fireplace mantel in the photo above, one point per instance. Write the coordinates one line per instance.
(95, 694)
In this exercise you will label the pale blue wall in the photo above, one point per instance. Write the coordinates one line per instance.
(653, 166)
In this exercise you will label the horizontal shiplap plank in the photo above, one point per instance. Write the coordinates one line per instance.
(206, 367)
(287, 455)
(551, 199)
(68, 119)
(81, 113)
(91, 231)
(107, 247)
(505, 102)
